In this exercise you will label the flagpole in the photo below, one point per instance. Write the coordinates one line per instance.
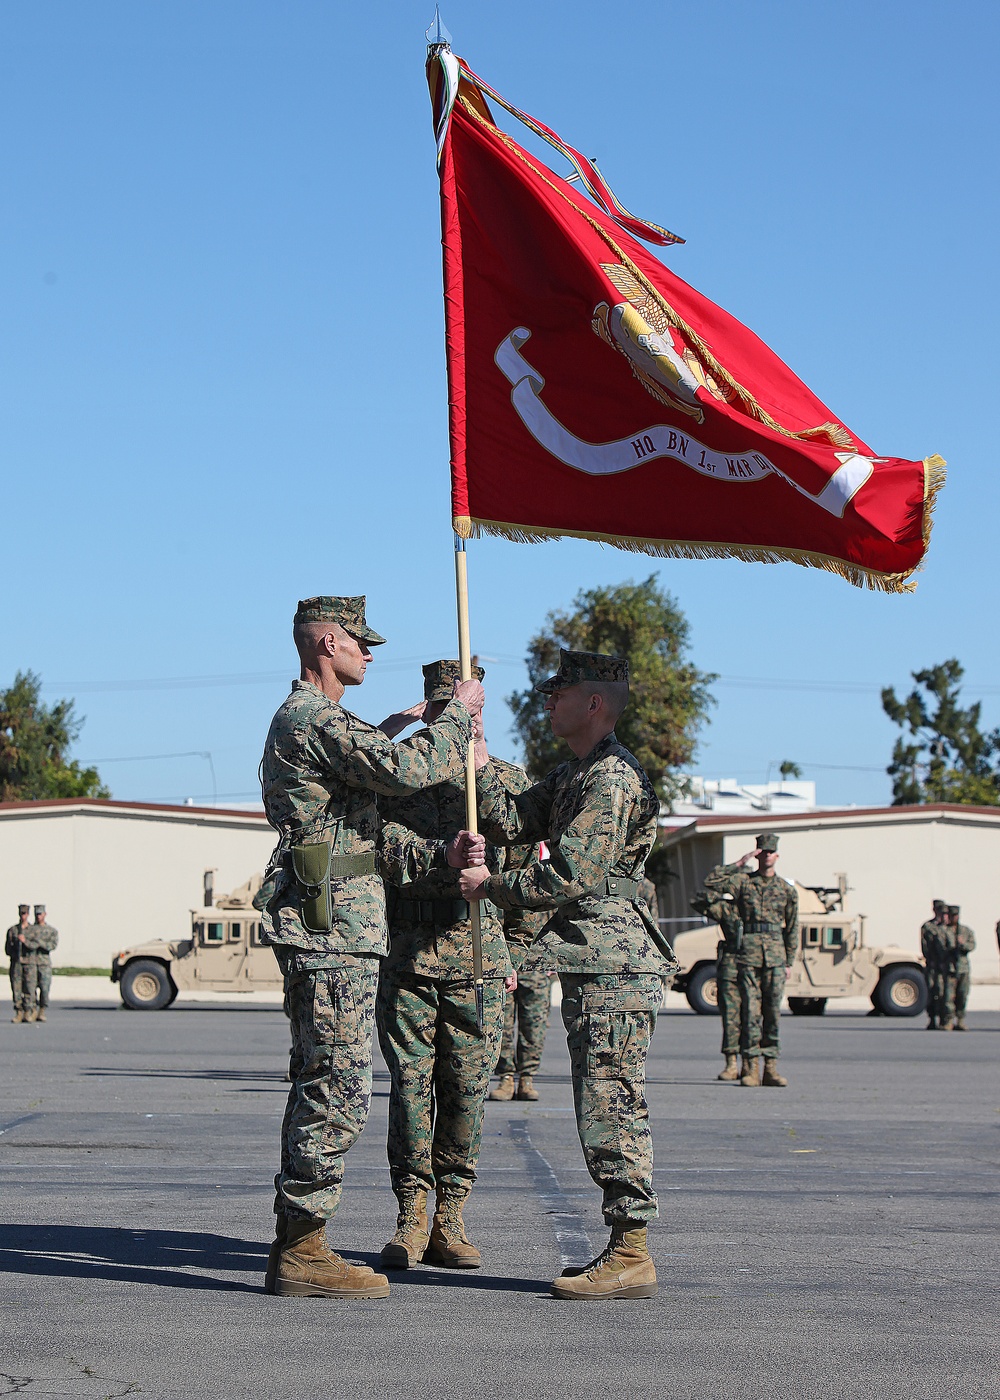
(471, 812)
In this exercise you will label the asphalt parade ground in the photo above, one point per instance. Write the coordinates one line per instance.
(834, 1239)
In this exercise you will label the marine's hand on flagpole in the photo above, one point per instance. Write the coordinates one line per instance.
(467, 851)
(470, 882)
(394, 724)
(472, 696)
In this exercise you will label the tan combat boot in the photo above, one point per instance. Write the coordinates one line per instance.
(732, 1070)
(448, 1243)
(960, 1026)
(771, 1076)
(945, 1026)
(274, 1253)
(624, 1270)
(525, 1088)
(40, 1014)
(31, 1015)
(750, 1078)
(17, 1016)
(308, 1269)
(409, 1244)
(504, 1089)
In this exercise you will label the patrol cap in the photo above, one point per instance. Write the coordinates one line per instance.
(24, 908)
(953, 908)
(576, 666)
(939, 905)
(348, 612)
(39, 908)
(440, 678)
(767, 841)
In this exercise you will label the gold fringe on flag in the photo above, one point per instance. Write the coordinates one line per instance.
(934, 478)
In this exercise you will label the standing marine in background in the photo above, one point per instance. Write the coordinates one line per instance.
(526, 1009)
(933, 940)
(37, 945)
(439, 1061)
(960, 941)
(598, 814)
(769, 909)
(13, 947)
(722, 910)
(322, 907)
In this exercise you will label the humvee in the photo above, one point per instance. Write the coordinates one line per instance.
(223, 954)
(833, 960)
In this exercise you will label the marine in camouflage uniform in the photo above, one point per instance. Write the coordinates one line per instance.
(322, 771)
(526, 1009)
(439, 1062)
(598, 813)
(40, 940)
(13, 946)
(722, 910)
(960, 941)
(768, 907)
(933, 940)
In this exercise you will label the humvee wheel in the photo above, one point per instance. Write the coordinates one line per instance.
(703, 990)
(902, 991)
(807, 1006)
(146, 986)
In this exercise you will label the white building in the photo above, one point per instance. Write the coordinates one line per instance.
(726, 795)
(897, 860)
(116, 873)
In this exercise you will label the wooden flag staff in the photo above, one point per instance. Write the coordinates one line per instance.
(471, 813)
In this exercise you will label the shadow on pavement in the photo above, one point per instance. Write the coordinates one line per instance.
(141, 1256)
(427, 1275)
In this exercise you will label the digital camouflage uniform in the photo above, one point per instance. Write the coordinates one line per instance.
(723, 912)
(321, 774)
(439, 1062)
(13, 947)
(959, 943)
(39, 943)
(526, 1009)
(768, 908)
(933, 943)
(598, 815)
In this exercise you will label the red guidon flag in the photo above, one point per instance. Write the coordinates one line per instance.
(594, 393)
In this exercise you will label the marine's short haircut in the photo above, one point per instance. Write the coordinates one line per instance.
(306, 635)
(613, 693)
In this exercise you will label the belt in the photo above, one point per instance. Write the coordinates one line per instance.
(756, 927)
(619, 887)
(341, 867)
(443, 913)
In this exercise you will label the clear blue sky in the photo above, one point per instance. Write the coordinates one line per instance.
(222, 369)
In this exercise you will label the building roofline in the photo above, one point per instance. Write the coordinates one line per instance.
(99, 806)
(841, 816)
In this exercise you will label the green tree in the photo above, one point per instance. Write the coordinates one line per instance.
(942, 755)
(34, 739)
(669, 697)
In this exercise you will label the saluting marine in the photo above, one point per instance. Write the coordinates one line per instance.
(769, 909)
(598, 814)
(322, 907)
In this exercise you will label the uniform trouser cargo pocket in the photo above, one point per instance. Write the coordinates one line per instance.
(609, 1021)
(332, 1015)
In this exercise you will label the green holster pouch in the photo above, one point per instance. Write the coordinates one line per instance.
(314, 866)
